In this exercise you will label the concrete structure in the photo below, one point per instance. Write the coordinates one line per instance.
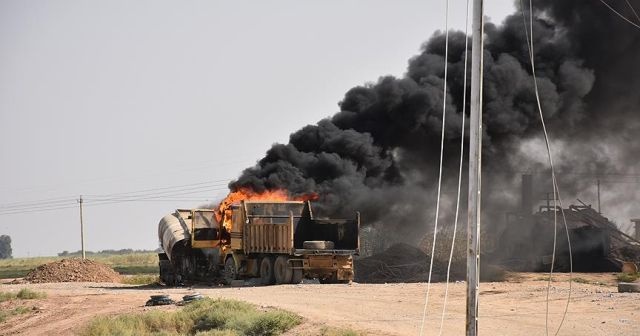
(636, 221)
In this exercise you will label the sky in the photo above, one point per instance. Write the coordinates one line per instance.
(143, 107)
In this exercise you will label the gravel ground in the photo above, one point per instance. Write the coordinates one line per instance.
(516, 307)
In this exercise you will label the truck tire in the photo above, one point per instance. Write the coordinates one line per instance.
(318, 245)
(282, 270)
(167, 275)
(267, 276)
(296, 278)
(230, 271)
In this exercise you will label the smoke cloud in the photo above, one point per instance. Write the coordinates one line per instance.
(379, 154)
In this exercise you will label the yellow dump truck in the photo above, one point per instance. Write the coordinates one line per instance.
(277, 242)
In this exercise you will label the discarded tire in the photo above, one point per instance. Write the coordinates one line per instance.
(629, 287)
(159, 300)
(318, 245)
(192, 297)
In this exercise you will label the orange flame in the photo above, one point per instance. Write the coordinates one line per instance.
(246, 194)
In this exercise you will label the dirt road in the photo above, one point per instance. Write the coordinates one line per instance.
(506, 308)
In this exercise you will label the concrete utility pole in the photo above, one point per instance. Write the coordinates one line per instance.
(636, 233)
(598, 183)
(475, 164)
(81, 230)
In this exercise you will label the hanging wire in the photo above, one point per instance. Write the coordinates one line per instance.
(556, 190)
(444, 113)
(633, 10)
(620, 15)
(455, 222)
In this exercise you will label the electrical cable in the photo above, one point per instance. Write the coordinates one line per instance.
(43, 201)
(131, 196)
(162, 188)
(116, 200)
(56, 202)
(444, 113)
(633, 10)
(163, 193)
(455, 222)
(556, 189)
(620, 15)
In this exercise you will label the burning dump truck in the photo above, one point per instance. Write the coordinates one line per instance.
(279, 242)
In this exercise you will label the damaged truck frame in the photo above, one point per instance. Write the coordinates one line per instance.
(279, 242)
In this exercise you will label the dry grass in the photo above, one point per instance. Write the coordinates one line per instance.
(141, 279)
(331, 331)
(203, 318)
(23, 294)
(624, 277)
(5, 314)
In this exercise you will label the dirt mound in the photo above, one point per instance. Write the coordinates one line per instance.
(73, 270)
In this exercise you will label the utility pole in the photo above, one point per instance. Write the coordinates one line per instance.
(81, 230)
(475, 164)
(598, 183)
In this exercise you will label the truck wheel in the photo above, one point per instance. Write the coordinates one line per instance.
(318, 245)
(282, 270)
(230, 272)
(296, 278)
(297, 274)
(266, 271)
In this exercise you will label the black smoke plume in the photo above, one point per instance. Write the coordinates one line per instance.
(379, 154)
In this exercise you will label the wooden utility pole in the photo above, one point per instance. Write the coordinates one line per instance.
(475, 164)
(81, 230)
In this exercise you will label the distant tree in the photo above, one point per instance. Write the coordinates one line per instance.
(5, 247)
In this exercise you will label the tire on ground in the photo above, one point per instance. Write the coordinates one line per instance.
(628, 287)
(318, 245)
(267, 276)
(282, 270)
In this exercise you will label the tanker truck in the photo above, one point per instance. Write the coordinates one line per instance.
(277, 242)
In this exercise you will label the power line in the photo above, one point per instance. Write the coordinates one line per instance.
(160, 194)
(444, 114)
(556, 190)
(457, 213)
(633, 10)
(162, 188)
(163, 191)
(620, 15)
(44, 201)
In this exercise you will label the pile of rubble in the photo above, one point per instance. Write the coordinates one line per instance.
(399, 263)
(73, 270)
(405, 263)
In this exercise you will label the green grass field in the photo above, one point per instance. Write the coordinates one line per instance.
(128, 264)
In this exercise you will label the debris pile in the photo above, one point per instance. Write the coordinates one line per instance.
(399, 263)
(73, 270)
(405, 263)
